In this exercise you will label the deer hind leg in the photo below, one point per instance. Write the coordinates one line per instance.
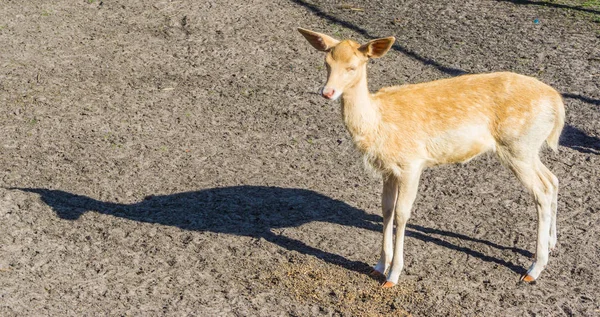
(408, 184)
(554, 205)
(540, 183)
(388, 204)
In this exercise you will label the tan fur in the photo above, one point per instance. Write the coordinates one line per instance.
(403, 129)
(431, 121)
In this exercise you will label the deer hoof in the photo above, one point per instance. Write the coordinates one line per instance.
(527, 278)
(387, 284)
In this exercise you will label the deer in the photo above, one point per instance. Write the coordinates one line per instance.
(401, 130)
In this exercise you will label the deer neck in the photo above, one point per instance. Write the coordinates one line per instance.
(361, 114)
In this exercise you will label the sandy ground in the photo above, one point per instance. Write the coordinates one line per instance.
(172, 158)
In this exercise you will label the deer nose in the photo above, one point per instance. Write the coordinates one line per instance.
(328, 92)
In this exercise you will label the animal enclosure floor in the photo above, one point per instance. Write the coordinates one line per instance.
(172, 158)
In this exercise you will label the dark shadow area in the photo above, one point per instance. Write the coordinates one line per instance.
(578, 140)
(522, 252)
(322, 14)
(551, 5)
(254, 211)
(515, 268)
(582, 98)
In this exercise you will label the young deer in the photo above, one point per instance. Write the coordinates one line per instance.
(403, 129)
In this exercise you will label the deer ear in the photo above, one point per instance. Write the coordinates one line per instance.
(319, 41)
(377, 48)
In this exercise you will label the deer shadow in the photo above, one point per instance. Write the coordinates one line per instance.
(254, 211)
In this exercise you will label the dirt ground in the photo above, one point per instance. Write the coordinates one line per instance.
(173, 158)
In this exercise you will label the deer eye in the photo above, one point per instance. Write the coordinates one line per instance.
(350, 69)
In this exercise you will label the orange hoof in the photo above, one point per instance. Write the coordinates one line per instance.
(527, 278)
(387, 284)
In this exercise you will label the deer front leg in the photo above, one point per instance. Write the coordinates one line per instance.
(408, 184)
(388, 204)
